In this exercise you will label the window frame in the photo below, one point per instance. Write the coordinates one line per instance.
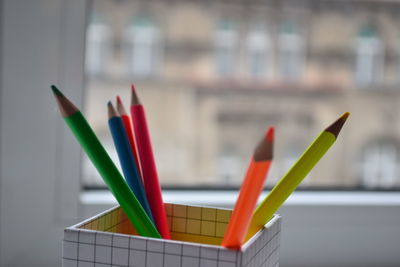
(258, 40)
(371, 50)
(292, 54)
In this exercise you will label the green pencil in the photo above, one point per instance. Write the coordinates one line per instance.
(111, 176)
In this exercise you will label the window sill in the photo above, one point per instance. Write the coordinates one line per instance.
(227, 198)
(348, 218)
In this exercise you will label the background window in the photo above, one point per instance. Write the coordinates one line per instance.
(142, 51)
(291, 51)
(98, 46)
(229, 165)
(258, 51)
(225, 42)
(204, 129)
(380, 165)
(369, 56)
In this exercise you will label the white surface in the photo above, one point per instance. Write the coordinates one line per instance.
(42, 43)
(227, 198)
(318, 228)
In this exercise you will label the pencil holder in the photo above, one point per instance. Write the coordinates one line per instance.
(108, 239)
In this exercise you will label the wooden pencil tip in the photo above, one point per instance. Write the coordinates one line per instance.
(66, 106)
(337, 125)
(120, 107)
(270, 134)
(345, 116)
(55, 90)
(134, 98)
(119, 100)
(111, 110)
(265, 149)
(133, 87)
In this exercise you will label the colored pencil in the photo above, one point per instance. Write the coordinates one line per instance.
(102, 161)
(147, 161)
(250, 191)
(126, 159)
(295, 175)
(129, 131)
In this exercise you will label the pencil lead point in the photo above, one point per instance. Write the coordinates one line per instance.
(265, 149)
(67, 108)
(119, 100)
(120, 107)
(56, 92)
(270, 134)
(111, 110)
(337, 125)
(134, 97)
(345, 116)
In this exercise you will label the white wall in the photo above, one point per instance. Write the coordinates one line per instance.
(340, 236)
(42, 43)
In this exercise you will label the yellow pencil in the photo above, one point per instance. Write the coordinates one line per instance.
(295, 175)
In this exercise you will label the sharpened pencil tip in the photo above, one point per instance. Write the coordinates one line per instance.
(66, 107)
(56, 92)
(111, 110)
(270, 134)
(120, 107)
(337, 125)
(265, 149)
(345, 116)
(119, 100)
(134, 97)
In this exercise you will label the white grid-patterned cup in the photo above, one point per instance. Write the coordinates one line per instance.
(109, 239)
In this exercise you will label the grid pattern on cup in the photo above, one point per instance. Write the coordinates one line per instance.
(113, 220)
(93, 248)
(85, 247)
(201, 224)
(264, 251)
(187, 223)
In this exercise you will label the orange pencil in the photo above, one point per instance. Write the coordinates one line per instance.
(249, 192)
(129, 131)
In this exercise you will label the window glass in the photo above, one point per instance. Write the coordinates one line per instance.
(142, 39)
(380, 165)
(291, 51)
(214, 75)
(225, 45)
(98, 46)
(370, 56)
(258, 51)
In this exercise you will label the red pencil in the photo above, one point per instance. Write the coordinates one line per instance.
(149, 171)
(129, 131)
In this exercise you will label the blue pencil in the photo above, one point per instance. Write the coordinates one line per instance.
(126, 158)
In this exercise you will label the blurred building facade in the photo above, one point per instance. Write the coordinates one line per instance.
(213, 75)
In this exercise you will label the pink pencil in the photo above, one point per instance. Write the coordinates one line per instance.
(147, 162)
